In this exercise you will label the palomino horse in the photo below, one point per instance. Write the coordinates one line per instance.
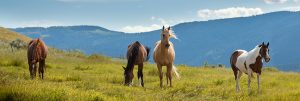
(164, 55)
(136, 55)
(37, 52)
(249, 62)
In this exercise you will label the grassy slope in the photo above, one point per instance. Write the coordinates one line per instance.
(73, 76)
(8, 35)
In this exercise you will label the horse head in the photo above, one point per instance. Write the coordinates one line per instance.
(264, 51)
(128, 76)
(166, 34)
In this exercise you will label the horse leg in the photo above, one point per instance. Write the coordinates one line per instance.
(249, 81)
(42, 68)
(35, 69)
(159, 67)
(239, 74)
(140, 74)
(30, 69)
(258, 82)
(169, 76)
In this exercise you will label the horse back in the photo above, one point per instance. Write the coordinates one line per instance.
(238, 60)
(141, 56)
(37, 50)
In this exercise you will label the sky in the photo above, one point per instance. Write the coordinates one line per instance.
(131, 15)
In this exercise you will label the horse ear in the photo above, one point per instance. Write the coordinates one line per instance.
(163, 28)
(268, 44)
(129, 46)
(263, 43)
(124, 68)
(169, 28)
(38, 41)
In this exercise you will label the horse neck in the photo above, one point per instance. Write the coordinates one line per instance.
(163, 43)
(254, 53)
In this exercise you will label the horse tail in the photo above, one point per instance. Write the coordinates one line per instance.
(148, 52)
(174, 69)
(133, 55)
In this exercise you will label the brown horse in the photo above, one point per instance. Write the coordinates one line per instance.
(248, 62)
(37, 52)
(136, 55)
(164, 55)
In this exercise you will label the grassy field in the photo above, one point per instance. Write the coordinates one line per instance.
(75, 76)
(72, 75)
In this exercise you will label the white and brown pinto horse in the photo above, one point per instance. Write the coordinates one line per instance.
(164, 55)
(249, 62)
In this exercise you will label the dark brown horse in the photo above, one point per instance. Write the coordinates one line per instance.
(136, 55)
(36, 53)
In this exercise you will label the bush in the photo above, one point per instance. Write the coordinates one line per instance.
(73, 78)
(271, 69)
(82, 68)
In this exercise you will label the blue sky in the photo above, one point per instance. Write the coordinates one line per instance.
(130, 15)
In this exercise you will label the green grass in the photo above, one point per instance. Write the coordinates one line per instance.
(74, 76)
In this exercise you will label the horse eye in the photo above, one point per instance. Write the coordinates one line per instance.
(163, 35)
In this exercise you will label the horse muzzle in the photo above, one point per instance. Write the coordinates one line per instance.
(267, 59)
(128, 84)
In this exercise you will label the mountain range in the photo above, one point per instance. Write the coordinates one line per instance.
(210, 41)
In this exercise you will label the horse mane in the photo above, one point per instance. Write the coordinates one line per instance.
(133, 55)
(173, 35)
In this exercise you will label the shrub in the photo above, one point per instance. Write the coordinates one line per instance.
(17, 63)
(271, 69)
(82, 68)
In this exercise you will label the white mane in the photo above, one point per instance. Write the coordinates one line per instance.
(173, 35)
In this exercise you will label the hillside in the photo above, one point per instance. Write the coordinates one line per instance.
(75, 76)
(72, 75)
(199, 42)
(7, 35)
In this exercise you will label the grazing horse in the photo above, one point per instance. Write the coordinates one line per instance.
(248, 62)
(37, 52)
(136, 55)
(164, 55)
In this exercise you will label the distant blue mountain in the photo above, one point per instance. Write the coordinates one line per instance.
(205, 41)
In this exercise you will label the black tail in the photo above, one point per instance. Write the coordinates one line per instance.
(133, 55)
(148, 52)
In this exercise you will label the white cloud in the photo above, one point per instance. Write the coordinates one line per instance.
(139, 28)
(294, 8)
(275, 1)
(208, 14)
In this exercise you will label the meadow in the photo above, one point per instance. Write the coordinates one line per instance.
(71, 75)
